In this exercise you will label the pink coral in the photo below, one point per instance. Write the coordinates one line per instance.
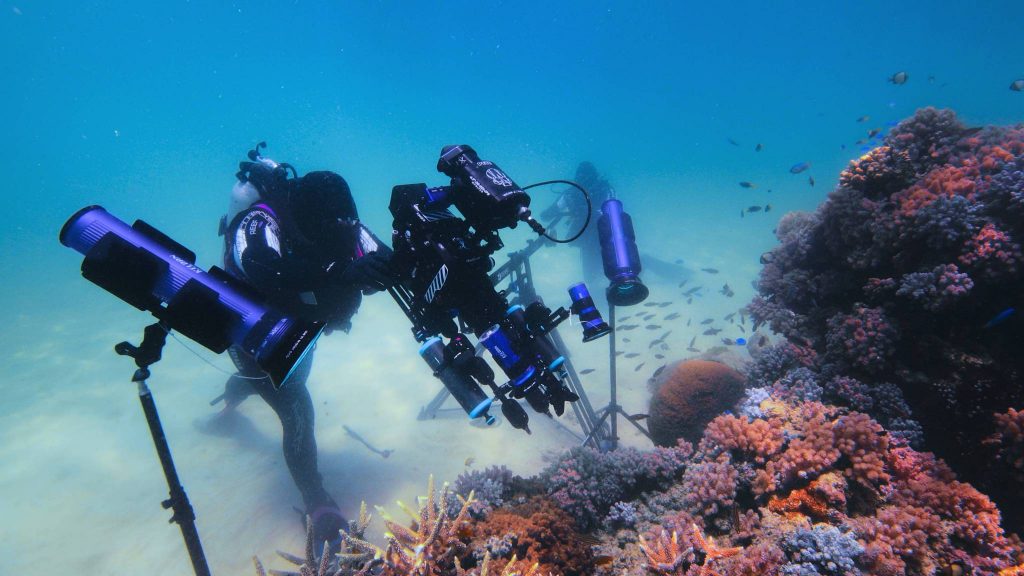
(1009, 439)
(865, 338)
(757, 439)
(864, 443)
(991, 252)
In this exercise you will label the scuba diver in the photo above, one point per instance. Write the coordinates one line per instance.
(571, 205)
(299, 242)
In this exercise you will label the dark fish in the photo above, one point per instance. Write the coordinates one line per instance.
(874, 132)
(694, 289)
(758, 148)
(733, 142)
(754, 208)
(654, 343)
(742, 329)
(665, 335)
(664, 346)
(728, 317)
(899, 78)
(659, 356)
(742, 213)
(693, 341)
(1000, 318)
(767, 207)
(619, 353)
(639, 366)
(727, 341)
(727, 291)
(712, 331)
(689, 321)
(628, 327)
(672, 316)
(658, 371)
(1017, 85)
(626, 317)
(863, 118)
(694, 350)
(648, 317)
(632, 355)
(710, 270)
(746, 184)
(586, 371)
(799, 167)
(707, 321)
(649, 304)
(689, 300)
(626, 340)
(861, 141)
(652, 326)
(678, 261)
(663, 304)
(683, 283)
(810, 180)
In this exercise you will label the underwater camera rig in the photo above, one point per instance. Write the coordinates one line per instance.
(443, 263)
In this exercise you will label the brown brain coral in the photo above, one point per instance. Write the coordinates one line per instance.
(688, 396)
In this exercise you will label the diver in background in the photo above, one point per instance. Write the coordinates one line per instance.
(571, 205)
(299, 242)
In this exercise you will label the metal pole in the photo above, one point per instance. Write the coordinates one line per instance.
(613, 403)
(183, 515)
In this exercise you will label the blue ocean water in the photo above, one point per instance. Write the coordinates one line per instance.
(146, 108)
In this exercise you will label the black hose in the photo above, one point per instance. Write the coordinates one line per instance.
(586, 197)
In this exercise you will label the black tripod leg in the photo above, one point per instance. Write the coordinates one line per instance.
(178, 502)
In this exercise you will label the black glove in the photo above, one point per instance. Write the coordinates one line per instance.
(370, 273)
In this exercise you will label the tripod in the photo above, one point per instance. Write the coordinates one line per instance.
(613, 410)
(145, 354)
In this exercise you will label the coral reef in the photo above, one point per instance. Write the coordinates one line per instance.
(687, 395)
(906, 279)
(586, 483)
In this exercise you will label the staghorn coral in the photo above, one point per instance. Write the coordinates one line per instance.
(688, 395)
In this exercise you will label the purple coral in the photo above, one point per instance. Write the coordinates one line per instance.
(934, 290)
(821, 550)
(586, 483)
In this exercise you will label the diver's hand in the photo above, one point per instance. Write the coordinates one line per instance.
(370, 273)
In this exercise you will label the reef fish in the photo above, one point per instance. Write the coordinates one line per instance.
(632, 355)
(672, 316)
(1017, 85)
(586, 371)
(810, 180)
(710, 270)
(863, 118)
(707, 321)
(899, 78)
(746, 184)
(758, 148)
(1000, 318)
(754, 208)
(799, 167)
(712, 331)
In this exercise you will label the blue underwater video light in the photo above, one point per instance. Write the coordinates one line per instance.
(147, 269)
(619, 255)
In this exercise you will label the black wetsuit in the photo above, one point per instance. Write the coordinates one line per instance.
(300, 277)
